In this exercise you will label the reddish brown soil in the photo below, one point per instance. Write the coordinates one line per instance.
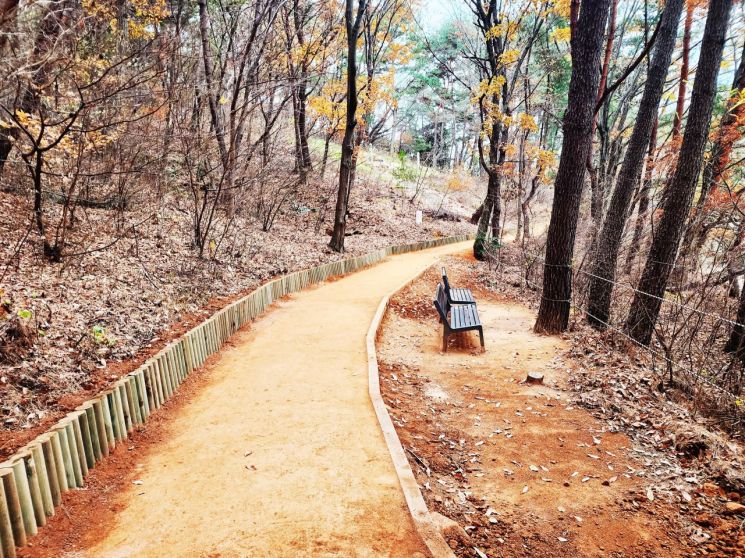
(87, 515)
(522, 468)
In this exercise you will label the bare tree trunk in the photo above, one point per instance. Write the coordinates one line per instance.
(721, 151)
(717, 162)
(684, 69)
(525, 207)
(573, 18)
(303, 122)
(735, 341)
(299, 112)
(346, 169)
(645, 308)
(609, 240)
(296, 128)
(488, 224)
(597, 188)
(6, 145)
(553, 314)
(8, 9)
(324, 160)
(644, 198)
(212, 99)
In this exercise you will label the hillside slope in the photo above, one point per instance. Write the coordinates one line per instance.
(67, 329)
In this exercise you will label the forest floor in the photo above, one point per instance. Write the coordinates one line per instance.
(594, 462)
(98, 315)
(275, 450)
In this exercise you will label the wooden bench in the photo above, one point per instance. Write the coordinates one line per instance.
(456, 296)
(458, 318)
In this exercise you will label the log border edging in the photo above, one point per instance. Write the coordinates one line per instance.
(427, 529)
(35, 478)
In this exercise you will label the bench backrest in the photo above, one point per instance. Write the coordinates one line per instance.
(445, 280)
(441, 303)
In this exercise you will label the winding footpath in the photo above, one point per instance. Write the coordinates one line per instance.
(280, 453)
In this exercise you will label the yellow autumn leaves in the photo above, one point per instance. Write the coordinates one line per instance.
(70, 143)
(544, 161)
(144, 15)
(504, 29)
(376, 90)
(561, 34)
(330, 103)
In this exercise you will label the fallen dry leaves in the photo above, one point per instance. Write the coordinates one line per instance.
(642, 461)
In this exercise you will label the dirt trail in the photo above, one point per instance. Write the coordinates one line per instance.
(280, 452)
(523, 470)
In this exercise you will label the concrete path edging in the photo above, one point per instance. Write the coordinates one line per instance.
(425, 526)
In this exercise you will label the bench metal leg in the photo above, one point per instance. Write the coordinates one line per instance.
(481, 336)
(444, 341)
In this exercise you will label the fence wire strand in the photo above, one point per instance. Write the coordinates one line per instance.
(688, 371)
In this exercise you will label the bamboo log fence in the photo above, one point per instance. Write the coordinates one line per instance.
(34, 480)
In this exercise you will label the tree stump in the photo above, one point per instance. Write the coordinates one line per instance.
(534, 378)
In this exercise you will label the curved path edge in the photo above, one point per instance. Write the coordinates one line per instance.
(35, 478)
(425, 525)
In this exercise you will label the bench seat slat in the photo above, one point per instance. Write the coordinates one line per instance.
(464, 317)
(475, 316)
(461, 296)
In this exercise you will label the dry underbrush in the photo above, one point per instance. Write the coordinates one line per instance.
(621, 381)
(69, 328)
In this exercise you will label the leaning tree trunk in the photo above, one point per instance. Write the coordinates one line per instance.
(553, 315)
(717, 162)
(644, 198)
(609, 240)
(488, 223)
(645, 307)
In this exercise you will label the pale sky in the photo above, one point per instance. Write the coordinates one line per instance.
(433, 13)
